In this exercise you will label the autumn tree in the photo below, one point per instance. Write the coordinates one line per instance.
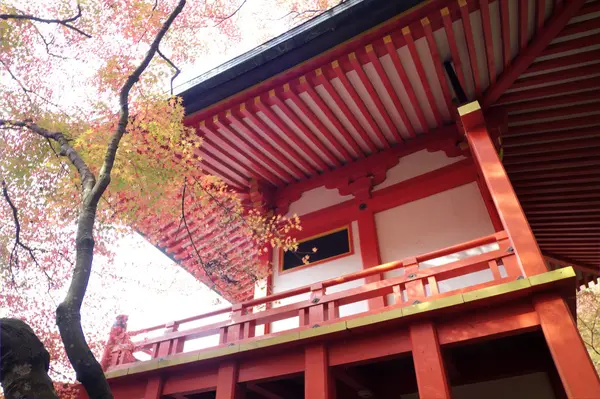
(588, 321)
(92, 144)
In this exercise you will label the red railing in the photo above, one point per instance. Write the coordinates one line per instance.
(417, 283)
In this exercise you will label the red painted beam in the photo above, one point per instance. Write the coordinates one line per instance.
(281, 125)
(318, 381)
(551, 102)
(542, 127)
(331, 139)
(429, 365)
(468, 32)
(306, 85)
(227, 139)
(561, 89)
(449, 30)
(309, 134)
(498, 183)
(540, 14)
(374, 58)
(279, 175)
(579, 44)
(551, 147)
(577, 373)
(523, 24)
(374, 96)
(262, 143)
(484, 7)
(553, 78)
(412, 48)
(562, 188)
(580, 27)
(518, 142)
(505, 28)
(554, 25)
(438, 65)
(410, 92)
(292, 151)
(322, 79)
(341, 75)
(566, 62)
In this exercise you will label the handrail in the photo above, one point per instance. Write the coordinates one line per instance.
(335, 281)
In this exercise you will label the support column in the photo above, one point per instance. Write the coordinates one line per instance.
(318, 380)
(576, 371)
(153, 388)
(369, 250)
(429, 365)
(509, 209)
(227, 387)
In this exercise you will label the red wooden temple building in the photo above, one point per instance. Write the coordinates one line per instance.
(444, 156)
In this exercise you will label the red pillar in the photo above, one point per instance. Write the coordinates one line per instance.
(576, 371)
(429, 366)
(509, 209)
(369, 250)
(153, 388)
(227, 387)
(318, 381)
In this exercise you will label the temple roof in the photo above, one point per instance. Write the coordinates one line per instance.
(292, 110)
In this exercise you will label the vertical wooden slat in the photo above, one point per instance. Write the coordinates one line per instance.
(494, 268)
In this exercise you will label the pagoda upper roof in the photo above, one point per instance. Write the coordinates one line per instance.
(309, 39)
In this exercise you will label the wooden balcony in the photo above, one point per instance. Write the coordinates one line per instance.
(419, 288)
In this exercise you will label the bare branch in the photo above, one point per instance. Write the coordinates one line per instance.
(223, 19)
(177, 70)
(64, 22)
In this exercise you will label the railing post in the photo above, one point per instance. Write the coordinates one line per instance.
(415, 290)
(234, 332)
(316, 313)
(501, 190)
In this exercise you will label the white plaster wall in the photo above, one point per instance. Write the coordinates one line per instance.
(313, 274)
(416, 164)
(315, 199)
(529, 386)
(442, 220)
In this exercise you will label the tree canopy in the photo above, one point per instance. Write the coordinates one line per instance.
(93, 146)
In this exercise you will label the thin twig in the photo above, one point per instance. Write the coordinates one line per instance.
(183, 217)
(177, 70)
(223, 19)
(64, 22)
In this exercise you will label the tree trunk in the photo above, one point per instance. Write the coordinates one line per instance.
(24, 363)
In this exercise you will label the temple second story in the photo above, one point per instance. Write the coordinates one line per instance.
(442, 161)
